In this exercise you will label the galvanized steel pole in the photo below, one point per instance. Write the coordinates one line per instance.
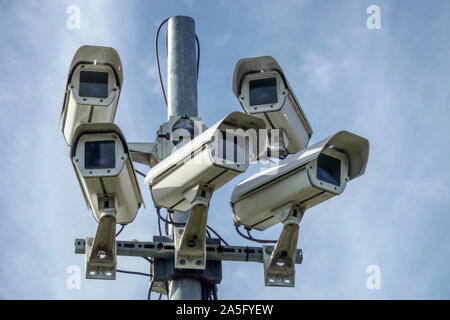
(182, 101)
(182, 67)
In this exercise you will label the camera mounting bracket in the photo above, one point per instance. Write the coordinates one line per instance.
(279, 263)
(101, 251)
(190, 240)
(144, 153)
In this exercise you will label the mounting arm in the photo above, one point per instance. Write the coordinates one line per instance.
(101, 251)
(190, 240)
(279, 264)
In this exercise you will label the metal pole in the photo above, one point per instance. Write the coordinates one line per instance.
(182, 67)
(182, 101)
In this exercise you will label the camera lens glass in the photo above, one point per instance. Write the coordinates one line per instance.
(263, 91)
(99, 155)
(93, 84)
(329, 169)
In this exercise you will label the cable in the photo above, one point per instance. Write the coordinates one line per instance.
(251, 238)
(259, 240)
(159, 226)
(208, 234)
(148, 259)
(198, 55)
(218, 235)
(158, 212)
(169, 214)
(214, 292)
(150, 290)
(166, 225)
(157, 60)
(135, 273)
(140, 173)
(123, 226)
(159, 65)
(167, 288)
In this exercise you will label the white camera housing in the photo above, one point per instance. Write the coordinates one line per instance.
(93, 89)
(306, 179)
(200, 161)
(104, 169)
(263, 91)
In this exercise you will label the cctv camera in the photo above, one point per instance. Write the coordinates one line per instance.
(105, 171)
(214, 157)
(263, 91)
(92, 90)
(304, 180)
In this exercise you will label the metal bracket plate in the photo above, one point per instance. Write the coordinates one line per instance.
(189, 254)
(101, 251)
(95, 271)
(190, 240)
(279, 262)
(144, 153)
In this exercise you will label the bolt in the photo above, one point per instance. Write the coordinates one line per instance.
(191, 243)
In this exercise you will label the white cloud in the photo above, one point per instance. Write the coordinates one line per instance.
(318, 70)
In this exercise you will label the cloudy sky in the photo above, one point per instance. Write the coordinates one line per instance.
(390, 85)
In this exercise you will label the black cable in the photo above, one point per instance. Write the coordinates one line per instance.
(159, 65)
(251, 238)
(167, 288)
(159, 226)
(150, 290)
(148, 259)
(166, 225)
(211, 292)
(258, 240)
(214, 292)
(208, 234)
(218, 235)
(160, 296)
(123, 226)
(135, 273)
(206, 292)
(140, 173)
(157, 60)
(158, 212)
(198, 54)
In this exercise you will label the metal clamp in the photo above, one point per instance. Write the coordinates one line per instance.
(190, 240)
(279, 264)
(144, 153)
(101, 251)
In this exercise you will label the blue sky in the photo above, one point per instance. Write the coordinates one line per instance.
(389, 85)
